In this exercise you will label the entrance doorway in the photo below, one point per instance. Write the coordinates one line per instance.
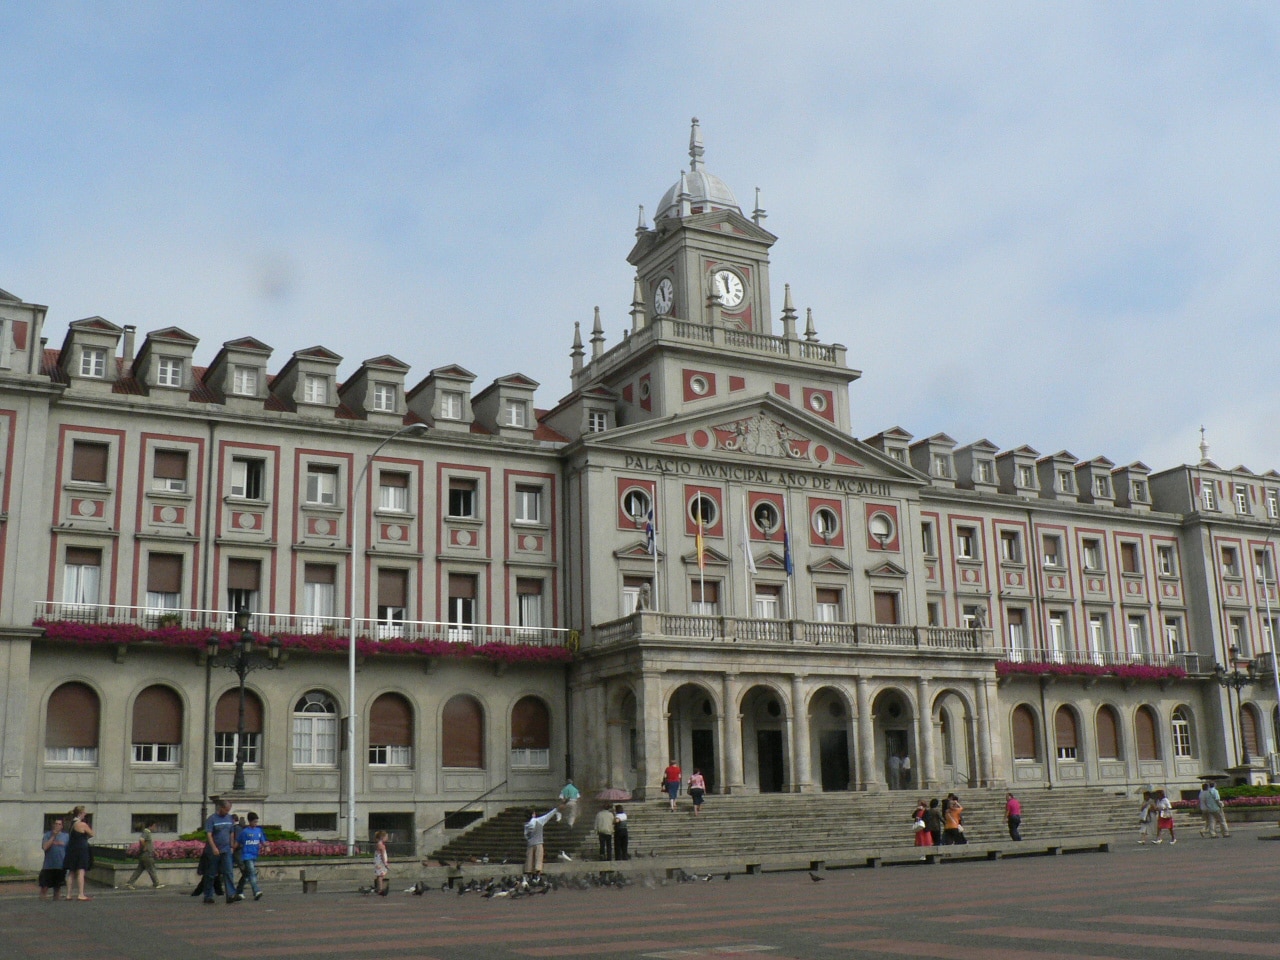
(769, 760)
(703, 747)
(895, 751)
(834, 752)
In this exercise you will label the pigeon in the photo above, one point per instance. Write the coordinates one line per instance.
(728, 877)
(815, 877)
(366, 890)
(565, 857)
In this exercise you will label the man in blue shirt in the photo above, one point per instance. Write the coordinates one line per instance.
(52, 875)
(220, 832)
(250, 840)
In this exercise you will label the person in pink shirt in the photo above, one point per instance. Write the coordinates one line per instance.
(1013, 816)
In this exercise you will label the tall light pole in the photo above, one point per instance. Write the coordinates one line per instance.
(241, 659)
(351, 636)
(1236, 679)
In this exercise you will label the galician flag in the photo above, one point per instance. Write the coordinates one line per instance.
(651, 535)
(701, 558)
(746, 543)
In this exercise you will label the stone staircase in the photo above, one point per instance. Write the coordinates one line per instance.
(770, 824)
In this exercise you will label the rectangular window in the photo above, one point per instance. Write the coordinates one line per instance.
(164, 582)
(1242, 499)
(462, 497)
(1262, 569)
(515, 413)
(89, 461)
(1092, 554)
(315, 740)
(1238, 630)
(159, 753)
(928, 545)
(243, 584)
(1099, 637)
(828, 605)
(1138, 491)
(973, 616)
(386, 755)
(93, 362)
(1273, 504)
(322, 485)
(315, 388)
(966, 543)
(986, 471)
(768, 601)
(1051, 545)
(1138, 643)
(933, 614)
(941, 465)
(705, 598)
(1173, 635)
(224, 748)
(450, 405)
(528, 504)
(1057, 639)
(393, 491)
(1129, 557)
(529, 601)
(885, 607)
(393, 602)
(1066, 481)
(170, 471)
(244, 381)
(246, 478)
(81, 576)
(462, 606)
(636, 594)
(1010, 546)
(384, 397)
(597, 421)
(1101, 487)
(1166, 561)
(1230, 562)
(1207, 496)
(1026, 476)
(1269, 629)
(169, 372)
(318, 594)
(899, 454)
(1019, 644)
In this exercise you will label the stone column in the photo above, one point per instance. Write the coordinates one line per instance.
(731, 736)
(800, 747)
(870, 779)
(983, 734)
(652, 722)
(926, 766)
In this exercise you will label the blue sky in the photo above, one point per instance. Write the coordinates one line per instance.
(1052, 224)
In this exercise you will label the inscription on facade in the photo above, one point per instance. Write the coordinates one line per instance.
(747, 473)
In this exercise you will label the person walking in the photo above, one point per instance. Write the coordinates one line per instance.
(381, 885)
(620, 834)
(921, 826)
(569, 796)
(1013, 816)
(933, 822)
(895, 772)
(697, 790)
(671, 778)
(1146, 816)
(78, 858)
(146, 859)
(53, 873)
(220, 832)
(533, 830)
(1212, 812)
(1164, 817)
(952, 825)
(250, 841)
(604, 832)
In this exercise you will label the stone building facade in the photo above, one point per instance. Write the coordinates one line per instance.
(689, 557)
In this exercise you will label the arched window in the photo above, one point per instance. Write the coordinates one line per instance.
(1144, 728)
(1249, 731)
(463, 728)
(71, 725)
(1068, 741)
(1180, 728)
(315, 730)
(530, 735)
(391, 732)
(1108, 734)
(157, 726)
(226, 721)
(1024, 733)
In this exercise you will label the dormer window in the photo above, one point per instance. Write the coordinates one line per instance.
(384, 397)
(169, 372)
(597, 421)
(1066, 482)
(1207, 496)
(986, 471)
(1026, 476)
(1138, 491)
(244, 381)
(315, 389)
(515, 413)
(450, 405)
(93, 362)
(1101, 487)
(1242, 499)
(898, 453)
(1273, 505)
(941, 465)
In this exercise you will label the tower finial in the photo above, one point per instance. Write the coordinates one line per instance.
(637, 306)
(1204, 446)
(758, 213)
(641, 226)
(577, 351)
(695, 147)
(597, 336)
(788, 314)
(810, 334)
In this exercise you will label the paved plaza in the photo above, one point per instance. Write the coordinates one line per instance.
(1200, 898)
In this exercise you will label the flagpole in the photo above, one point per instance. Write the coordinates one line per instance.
(702, 572)
(746, 547)
(788, 556)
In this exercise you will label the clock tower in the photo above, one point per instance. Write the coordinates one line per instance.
(703, 261)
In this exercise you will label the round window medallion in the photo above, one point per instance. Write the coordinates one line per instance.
(821, 453)
(168, 514)
(87, 508)
(245, 521)
(699, 385)
(395, 531)
(644, 389)
(464, 538)
(701, 439)
(526, 543)
(818, 401)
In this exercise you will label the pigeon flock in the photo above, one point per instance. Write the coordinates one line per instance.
(515, 886)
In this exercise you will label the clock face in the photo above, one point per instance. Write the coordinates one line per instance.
(729, 286)
(664, 297)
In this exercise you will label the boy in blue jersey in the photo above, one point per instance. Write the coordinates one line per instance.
(250, 841)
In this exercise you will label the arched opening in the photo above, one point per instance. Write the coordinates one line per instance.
(893, 718)
(315, 730)
(226, 725)
(1026, 741)
(391, 732)
(71, 725)
(1144, 730)
(530, 735)
(1250, 747)
(691, 732)
(157, 726)
(830, 719)
(764, 741)
(462, 733)
(952, 737)
(1182, 730)
(1066, 734)
(1108, 729)
(623, 741)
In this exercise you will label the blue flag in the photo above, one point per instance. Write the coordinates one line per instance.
(651, 535)
(787, 564)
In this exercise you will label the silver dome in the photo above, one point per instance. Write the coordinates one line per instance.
(699, 187)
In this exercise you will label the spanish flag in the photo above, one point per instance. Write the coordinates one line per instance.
(701, 556)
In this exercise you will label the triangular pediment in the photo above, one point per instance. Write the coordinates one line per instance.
(830, 564)
(517, 380)
(386, 361)
(887, 569)
(636, 551)
(727, 221)
(95, 323)
(711, 558)
(453, 372)
(771, 561)
(318, 353)
(756, 440)
(173, 335)
(248, 344)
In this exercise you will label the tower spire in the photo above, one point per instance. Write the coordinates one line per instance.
(695, 147)
(788, 314)
(597, 337)
(637, 307)
(809, 333)
(758, 213)
(577, 351)
(1204, 446)
(641, 226)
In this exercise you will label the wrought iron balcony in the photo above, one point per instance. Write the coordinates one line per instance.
(1104, 658)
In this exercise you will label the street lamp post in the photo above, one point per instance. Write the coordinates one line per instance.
(351, 636)
(1236, 679)
(243, 660)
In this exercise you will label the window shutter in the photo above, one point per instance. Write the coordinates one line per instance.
(72, 717)
(1065, 727)
(164, 575)
(171, 464)
(530, 725)
(393, 588)
(827, 595)
(157, 716)
(886, 608)
(226, 714)
(1145, 729)
(1024, 734)
(89, 461)
(244, 574)
(388, 479)
(528, 587)
(706, 592)
(1108, 739)
(320, 573)
(391, 721)
(1249, 731)
(463, 740)
(83, 557)
(462, 586)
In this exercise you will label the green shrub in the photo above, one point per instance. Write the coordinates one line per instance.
(1270, 790)
(273, 834)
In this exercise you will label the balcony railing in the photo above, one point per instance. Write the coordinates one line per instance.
(274, 624)
(678, 626)
(1105, 658)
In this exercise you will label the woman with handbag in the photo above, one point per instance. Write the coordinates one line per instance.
(923, 837)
